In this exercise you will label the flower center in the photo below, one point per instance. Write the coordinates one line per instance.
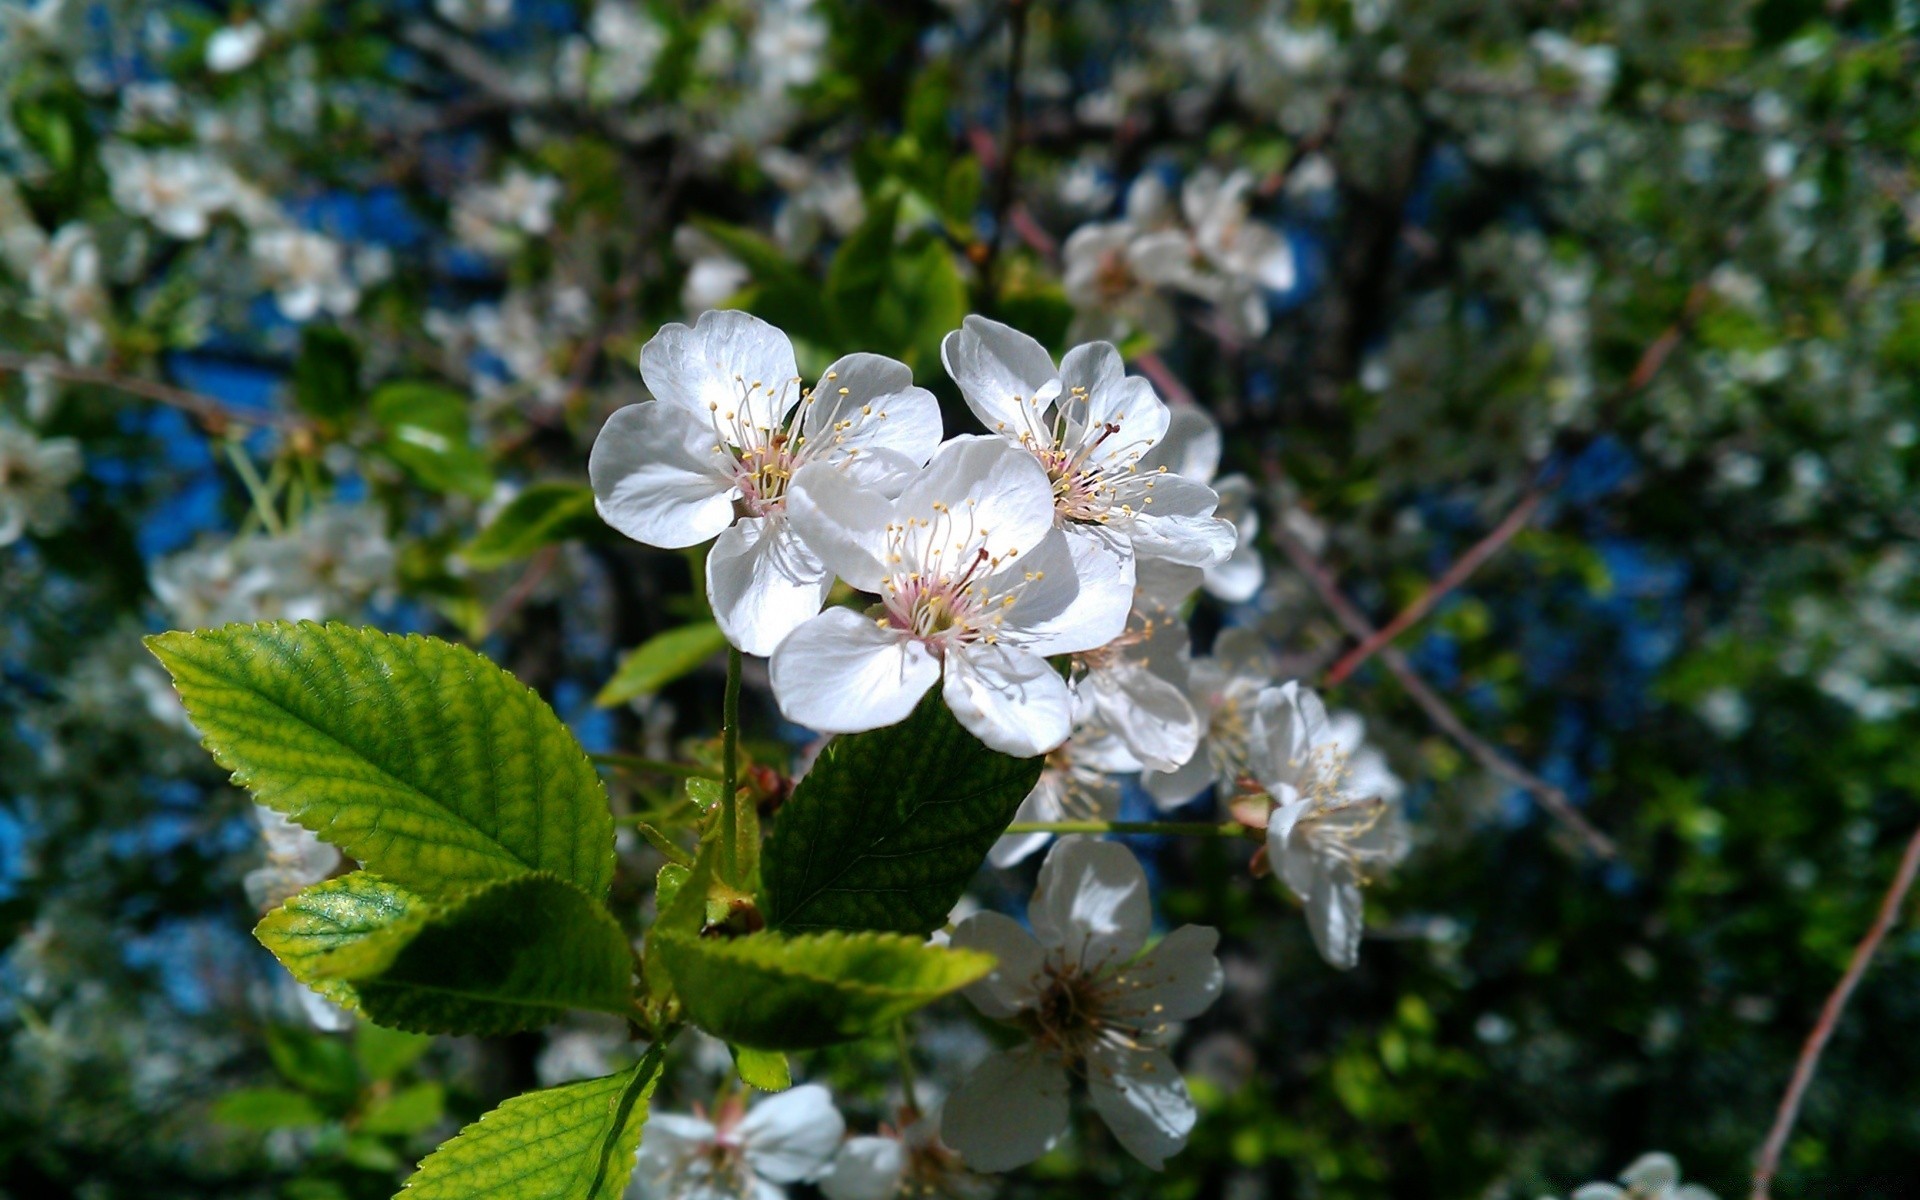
(956, 596)
(1079, 1010)
(1114, 279)
(763, 472)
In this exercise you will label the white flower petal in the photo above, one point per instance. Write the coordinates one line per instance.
(1001, 373)
(658, 479)
(1151, 715)
(1091, 901)
(1171, 789)
(1013, 984)
(730, 366)
(1336, 912)
(1653, 1173)
(1051, 618)
(1012, 700)
(1140, 1095)
(868, 402)
(843, 521)
(866, 1168)
(987, 486)
(670, 1138)
(842, 673)
(1191, 446)
(1041, 804)
(1010, 1111)
(763, 583)
(1180, 526)
(1599, 1191)
(1177, 980)
(791, 1137)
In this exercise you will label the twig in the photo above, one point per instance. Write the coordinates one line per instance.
(1209, 829)
(1156, 370)
(1010, 144)
(522, 587)
(214, 415)
(1548, 796)
(1454, 576)
(1768, 1161)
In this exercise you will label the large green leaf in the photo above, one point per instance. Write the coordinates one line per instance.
(660, 660)
(515, 955)
(766, 991)
(328, 917)
(575, 1142)
(539, 516)
(427, 434)
(888, 827)
(421, 759)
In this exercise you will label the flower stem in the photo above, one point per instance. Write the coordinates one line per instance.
(730, 771)
(256, 489)
(1219, 829)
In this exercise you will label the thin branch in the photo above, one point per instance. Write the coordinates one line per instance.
(1454, 576)
(1768, 1161)
(1547, 795)
(523, 587)
(214, 415)
(1211, 829)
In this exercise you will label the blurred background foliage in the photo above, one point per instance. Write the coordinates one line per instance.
(312, 310)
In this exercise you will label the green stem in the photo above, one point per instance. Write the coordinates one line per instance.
(256, 489)
(653, 766)
(730, 771)
(905, 1041)
(1220, 829)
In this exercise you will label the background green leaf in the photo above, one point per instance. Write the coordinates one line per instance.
(268, 1108)
(427, 434)
(888, 827)
(326, 375)
(766, 991)
(575, 1142)
(421, 759)
(660, 660)
(541, 515)
(512, 956)
(409, 1110)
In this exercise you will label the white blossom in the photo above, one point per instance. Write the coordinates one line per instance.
(296, 858)
(976, 587)
(716, 450)
(1079, 782)
(179, 191)
(1223, 689)
(1336, 821)
(495, 218)
(234, 47)
(475, 15)
(307, 272)
(1095, 1006)
(1247, 258)
(628, 42)
(908, 1161)
(1089, 425)
(1653, 1176)
(34, 474)
(1192, 449)
(1114, 271)
(740, 1152)
(65, 277)
(1135, 686)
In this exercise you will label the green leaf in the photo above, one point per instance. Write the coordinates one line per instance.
(541, 515)
(327, 917)
(406, 1111)
(768, 262)
(512, 956)
(660, 660)
(765, 991)
(575, 1142)
(861, 266)
(427, 434)
(326, 375)
(383, 1053)
(268, 1108)
(763, 1069)
(888, 827)
(421, 759)
(316, 1064)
